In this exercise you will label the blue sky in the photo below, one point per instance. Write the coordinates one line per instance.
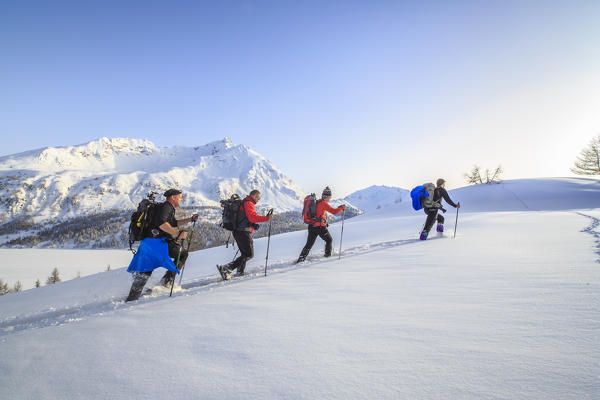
(339, 93)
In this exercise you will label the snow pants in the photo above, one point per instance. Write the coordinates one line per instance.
(313, 232)
(139, 280)
(246, 246)
(432, 215)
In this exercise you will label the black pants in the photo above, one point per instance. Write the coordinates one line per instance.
(168, 277)
(140, 278)
(313, 232)
(246, 247)
(432, 215)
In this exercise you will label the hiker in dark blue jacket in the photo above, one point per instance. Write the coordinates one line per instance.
(432, 212)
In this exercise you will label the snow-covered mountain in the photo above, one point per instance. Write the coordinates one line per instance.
(117, 173)
(377, 197)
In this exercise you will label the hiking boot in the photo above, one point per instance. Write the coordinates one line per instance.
(225, 274)
(424, 235)
(440, 228)
(167, 279)
(301, 259)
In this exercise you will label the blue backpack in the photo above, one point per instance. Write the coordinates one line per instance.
(422, 196)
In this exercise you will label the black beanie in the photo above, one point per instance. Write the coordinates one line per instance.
(326, 192)
(172, 192)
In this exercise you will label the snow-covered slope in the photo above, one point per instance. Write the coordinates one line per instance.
(377, 197)
(117, 173)
(509, 309)
(530, 195)
(541, 194)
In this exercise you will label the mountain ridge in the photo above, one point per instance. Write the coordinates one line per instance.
(117, 173)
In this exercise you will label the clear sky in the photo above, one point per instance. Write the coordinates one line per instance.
(343, 93)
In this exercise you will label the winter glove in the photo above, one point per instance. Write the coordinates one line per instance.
(256, 226)
(194, 217)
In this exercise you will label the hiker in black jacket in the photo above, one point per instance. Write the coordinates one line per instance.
(432, 212)
(165, 225)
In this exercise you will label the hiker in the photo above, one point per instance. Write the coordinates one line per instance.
(162, 245)
(247, 221)
(432, 212)
(317, 225)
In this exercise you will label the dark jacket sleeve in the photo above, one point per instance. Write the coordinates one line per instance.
(444, 194)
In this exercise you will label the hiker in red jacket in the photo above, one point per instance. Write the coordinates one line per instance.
(318, 226)
(247, 221)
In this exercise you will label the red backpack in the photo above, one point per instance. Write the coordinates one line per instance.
(309, 212)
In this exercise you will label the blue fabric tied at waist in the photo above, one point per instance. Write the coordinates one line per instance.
(152, 254)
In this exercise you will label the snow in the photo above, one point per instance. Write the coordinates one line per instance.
(28, 265)
(510, 309)
(377, 197)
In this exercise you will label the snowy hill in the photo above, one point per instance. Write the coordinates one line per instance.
(543, 194)
(377, 197)
(531, 195)
(109, 174)
(507, 310)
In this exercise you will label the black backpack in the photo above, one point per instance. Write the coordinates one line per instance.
(141, 219)
(231, 208)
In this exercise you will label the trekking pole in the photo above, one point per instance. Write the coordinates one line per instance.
(342, 234)
(176, 267)
(456, 222)
(188, 251)
(268, 242)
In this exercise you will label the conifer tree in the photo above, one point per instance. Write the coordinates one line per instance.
(53, 278)
(4, 288)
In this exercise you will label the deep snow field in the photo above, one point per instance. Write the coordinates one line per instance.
(509, 309)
